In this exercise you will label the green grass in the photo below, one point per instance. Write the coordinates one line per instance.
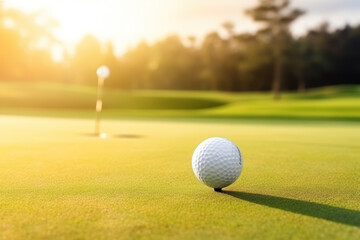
(59, 100)
(299, 181)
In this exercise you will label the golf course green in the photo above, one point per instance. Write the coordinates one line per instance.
(339, 103)
(300, 180)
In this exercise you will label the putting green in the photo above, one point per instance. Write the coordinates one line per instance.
(58, 182)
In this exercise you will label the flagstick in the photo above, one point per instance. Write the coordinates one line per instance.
(99, 105)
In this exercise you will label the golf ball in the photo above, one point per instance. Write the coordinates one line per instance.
(217, 162)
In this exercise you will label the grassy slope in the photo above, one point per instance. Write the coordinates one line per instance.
(58, 183)
(331, 103)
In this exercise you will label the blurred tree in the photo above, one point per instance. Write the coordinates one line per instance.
(87, 58)
(233, 55)
(135, 67)
(221, 57)
(12, 55)
(347, 55)
(332, 57)
(320, 55)
(110, 60)
(277, 17)
(175, 65)
(195, 65)
(64, 68)
(26, 45)
(212, 53)
(35, 28)
(192, 41)
(229, 27)
(255, 63)
(299, 59)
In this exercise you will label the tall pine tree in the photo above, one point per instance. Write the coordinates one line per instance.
(276, 16)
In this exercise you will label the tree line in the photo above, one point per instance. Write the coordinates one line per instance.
(270, 59)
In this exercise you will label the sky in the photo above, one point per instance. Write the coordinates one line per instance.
(127, 22)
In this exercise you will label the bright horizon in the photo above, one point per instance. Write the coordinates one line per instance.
(126, 23)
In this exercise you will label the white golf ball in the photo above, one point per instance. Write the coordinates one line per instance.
(217, 162)
(103, 72)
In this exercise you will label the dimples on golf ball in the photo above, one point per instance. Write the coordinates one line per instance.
(217, 162)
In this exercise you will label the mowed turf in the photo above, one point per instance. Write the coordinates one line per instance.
(58, 182)
(45, 99)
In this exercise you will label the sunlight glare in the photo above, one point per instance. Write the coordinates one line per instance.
(124, 22)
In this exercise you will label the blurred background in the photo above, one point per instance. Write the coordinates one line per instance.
(262, 58)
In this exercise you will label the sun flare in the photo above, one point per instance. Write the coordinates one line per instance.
(125, 22)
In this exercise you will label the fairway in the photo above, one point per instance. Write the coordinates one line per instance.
(336, 103)
(299, 181)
